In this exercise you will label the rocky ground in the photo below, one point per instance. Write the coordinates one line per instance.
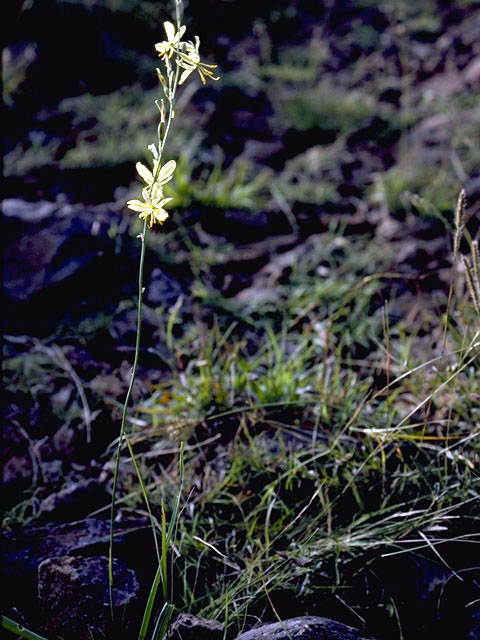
(342, 129)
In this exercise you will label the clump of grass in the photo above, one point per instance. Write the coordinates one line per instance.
(303, 464)
(241, 186)
(312, 177)
(100, 118)
(304, 471)
(399, 189)
(327, 109)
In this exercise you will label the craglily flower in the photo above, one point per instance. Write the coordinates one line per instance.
(152, 208)
(157, 177)
(167, 48)
(189, 60)
(153, 205)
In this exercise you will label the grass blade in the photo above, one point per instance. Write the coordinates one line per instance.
(147, 614)
(161, 573)
(176, 506)
(162, 622)
(14, 627)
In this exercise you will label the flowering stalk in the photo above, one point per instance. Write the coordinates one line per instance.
(180, 58)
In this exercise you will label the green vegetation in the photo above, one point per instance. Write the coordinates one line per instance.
(240, 186)
(314, 416)
(303, 456)
(19, 630)
(326, 108)
(317, 432)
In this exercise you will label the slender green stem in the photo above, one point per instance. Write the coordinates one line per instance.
(171, 115)
(124, 412)
(123, 438)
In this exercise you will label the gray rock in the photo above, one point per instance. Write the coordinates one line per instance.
(63, 259)
(51, 471)
(73, 502)
(17, 473)
(73, 593)
(67, 439)
(304, 628)
(33, 257)
(57, 256)
(28, 212)
(189, 627)
(163, 289)
(24, 549)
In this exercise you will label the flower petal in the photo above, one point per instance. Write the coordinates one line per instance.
(164, 202)
(161, 47)
(166, 172)
(184, 76)
(160, 215)
(145, 215)
(136, 205)
(169, 30)
(144, 173)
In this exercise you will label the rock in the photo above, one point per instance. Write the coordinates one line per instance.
(238, 225)
(77, 500)
(40, 230)
(163, 289)
(73, 593)
(57, 258)
(63, 260)
(304, 628)
(445, 84)
(17, 468)
(475, 632)
(458, 605)
(28, 212)
(66, 440)
(189, 627)
(17, 475)
(472, 72)
(23, 550)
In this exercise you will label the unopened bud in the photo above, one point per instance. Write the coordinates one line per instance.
(162, 80)
(154, 150)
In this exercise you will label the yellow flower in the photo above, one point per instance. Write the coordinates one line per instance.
(153, 205)
(189, 60)
(158, 177)
(167, 48)
(151, 208)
